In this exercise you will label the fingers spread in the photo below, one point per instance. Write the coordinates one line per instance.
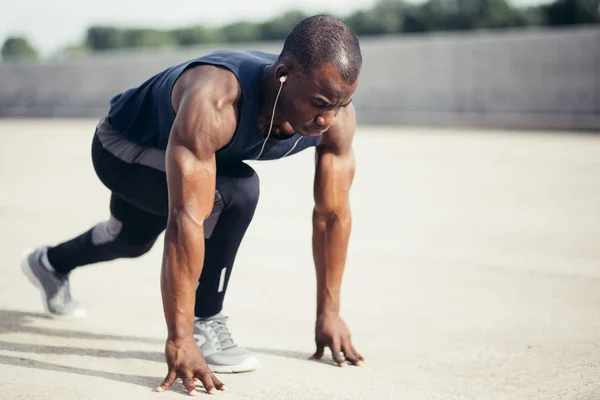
(218, 384)
(188, 383)
(360, 357)
(207, 381)
(336, 352)
(166, 384)
(351, 355)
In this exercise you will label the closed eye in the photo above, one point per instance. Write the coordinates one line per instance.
(322, 104)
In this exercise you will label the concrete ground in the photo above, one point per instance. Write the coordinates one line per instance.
(473, 273)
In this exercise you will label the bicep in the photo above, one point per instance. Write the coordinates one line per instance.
(199, 130)
(190, 182)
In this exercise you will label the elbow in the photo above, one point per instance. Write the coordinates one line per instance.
(325, 218)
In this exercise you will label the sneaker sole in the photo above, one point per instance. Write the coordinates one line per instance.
(250, 364)
(33, 279)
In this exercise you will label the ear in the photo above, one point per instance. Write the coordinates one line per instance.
(282, 71)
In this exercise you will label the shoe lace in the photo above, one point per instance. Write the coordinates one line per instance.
(219, 327)
(64, 289)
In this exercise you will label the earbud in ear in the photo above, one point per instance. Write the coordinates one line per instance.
(283, 78)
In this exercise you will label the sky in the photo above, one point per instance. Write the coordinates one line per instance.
(50, 25)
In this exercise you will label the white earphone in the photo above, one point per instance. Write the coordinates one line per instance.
(282, 79)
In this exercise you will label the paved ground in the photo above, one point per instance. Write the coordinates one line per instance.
(474, 273)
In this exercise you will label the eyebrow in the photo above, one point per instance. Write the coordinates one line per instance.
(324, 99)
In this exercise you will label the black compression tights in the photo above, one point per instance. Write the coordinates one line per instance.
(139, 207)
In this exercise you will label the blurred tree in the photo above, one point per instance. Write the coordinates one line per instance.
(278, 28)
(534, 16)
(384, 17)
(134, 38)
(196, 35)
(103, 38)
(387, 16)
(241, 32)
(109, 37)
(442, 15)
(18, 48)
(70, 52)
(431, 16)
(573, 12)
(496, 14)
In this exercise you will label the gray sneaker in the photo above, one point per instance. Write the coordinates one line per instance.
(220, 351)
(56, 294)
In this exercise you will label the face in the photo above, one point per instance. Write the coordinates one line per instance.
(311, 102)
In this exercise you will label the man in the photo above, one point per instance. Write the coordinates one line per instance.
(171, 151)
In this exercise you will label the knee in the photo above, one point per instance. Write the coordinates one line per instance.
(239, 188)
(121, 243)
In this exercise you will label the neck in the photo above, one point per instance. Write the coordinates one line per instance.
(267, 101)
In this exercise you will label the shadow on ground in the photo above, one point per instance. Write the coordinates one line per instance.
(295, 355)
(12, 321)
(19, 322)
(144, 381)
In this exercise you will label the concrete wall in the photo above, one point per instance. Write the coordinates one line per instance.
(520, 79)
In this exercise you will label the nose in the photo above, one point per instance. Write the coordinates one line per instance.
(325, 119)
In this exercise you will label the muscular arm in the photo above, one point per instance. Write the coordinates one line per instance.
(204, 123)
(331, 216)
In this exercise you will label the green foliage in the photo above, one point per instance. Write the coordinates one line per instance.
(279, 27)
(387, 16)
(103, 37)
(110, 37)
(573, 12)
(384, 17)
(18, 48)
(195, 35)
(241, 32)
(133, 38)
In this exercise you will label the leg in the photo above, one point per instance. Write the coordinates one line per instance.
(130, 232)
(238, 188)
(139, 206)
(138, 215)
(138, 209)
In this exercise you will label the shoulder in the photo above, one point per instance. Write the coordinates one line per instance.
(208, 83)
(205, 102)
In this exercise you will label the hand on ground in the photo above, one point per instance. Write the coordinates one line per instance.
(186, 361)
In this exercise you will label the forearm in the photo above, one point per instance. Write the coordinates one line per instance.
(182, 265)
(331, 233)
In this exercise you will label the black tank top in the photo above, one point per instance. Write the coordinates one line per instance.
(144, 114)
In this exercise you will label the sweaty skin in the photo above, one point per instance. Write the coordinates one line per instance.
(206, 99)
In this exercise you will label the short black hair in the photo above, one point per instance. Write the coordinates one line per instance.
(321, 39)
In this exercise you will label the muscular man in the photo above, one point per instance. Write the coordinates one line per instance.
(172, 153)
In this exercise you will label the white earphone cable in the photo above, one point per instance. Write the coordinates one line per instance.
(293, 147)
(282, 80)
